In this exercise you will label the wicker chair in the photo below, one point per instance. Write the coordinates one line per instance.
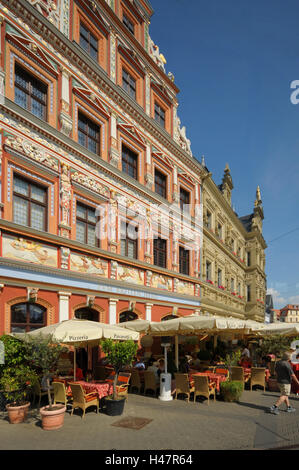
(82, 400)
(272, 368)
(135, 381)
(182, 385)
(203, 388)
(150, 382)
(60, 394)
(258, 377)
(237, 373)
(222, 370)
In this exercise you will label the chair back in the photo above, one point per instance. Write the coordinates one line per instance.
(149, 379)
(201, 383)
(110, 377)
(182, 382)
(237, 373)
(123, 378)
(135, 378)
(272, 368)
(77, 392)
(59, 391)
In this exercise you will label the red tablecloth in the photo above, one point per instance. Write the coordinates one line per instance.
(217, 378)
(295, 387)
(102, 389)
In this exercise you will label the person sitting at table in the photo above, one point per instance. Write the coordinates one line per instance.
(139, 364)
(154, 367)
(195, 363)
(183, 365)
(161, 366)
(245, 362)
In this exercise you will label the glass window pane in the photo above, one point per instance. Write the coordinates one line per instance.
(131, 249)
(37, 108)
(37, 217)
(81, 138)
(18, 313)
(80, 232)
(91, 215)
(21, 98)
(123, 247)
(20, 211)
(18, 329)
(37, 193)
(91, 239)
(92, 145)
(36, 314)
(81, 211)
(21, 186)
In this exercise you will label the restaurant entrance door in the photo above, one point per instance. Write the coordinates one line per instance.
(87, 361)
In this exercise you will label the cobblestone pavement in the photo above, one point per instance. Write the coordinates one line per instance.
(175, 425)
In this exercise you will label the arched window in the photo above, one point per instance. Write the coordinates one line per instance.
(127, 316)
(27, 317)
(169, 317)
(87, 313)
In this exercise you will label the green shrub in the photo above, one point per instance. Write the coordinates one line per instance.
(14, 352)
(16, 384)
(232, 390)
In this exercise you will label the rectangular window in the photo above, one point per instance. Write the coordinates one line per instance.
(208, 271)
(160, 115)
(128, 24)
(160, 183)
(88, 41)
(129, 240)
(129, 84)
(184, 260)
(30, 93)
(129, 161)
(232, 285)
(209, 219)
(248, 258)
(219, 231)
(86, 224)
(184, 200)
(160, 252)
(219, 277)
(248, 294)
(89, 134)
(29, 203)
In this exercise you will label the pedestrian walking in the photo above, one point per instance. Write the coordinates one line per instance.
(285, 374)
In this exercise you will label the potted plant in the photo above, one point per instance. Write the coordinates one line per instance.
(231, 390)
(119, 354)
(43, 354)
(16, 384)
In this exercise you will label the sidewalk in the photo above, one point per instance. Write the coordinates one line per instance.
(175, 425)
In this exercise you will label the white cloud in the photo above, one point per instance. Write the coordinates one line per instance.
(278, 300)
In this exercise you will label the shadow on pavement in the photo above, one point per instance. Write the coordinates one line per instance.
(256, 407)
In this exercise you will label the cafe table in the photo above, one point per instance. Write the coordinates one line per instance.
(247, 373)
(212, 377)
(102, 388)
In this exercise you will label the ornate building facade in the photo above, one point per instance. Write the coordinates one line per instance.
(232, 255)
(101, 198)
(95, 168)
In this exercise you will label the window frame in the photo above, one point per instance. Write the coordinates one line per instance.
(183, 204)
(87, 223)
(90, 35)
(157, 114)
(81, 117)
(25, 74)
(184, 261)
(126, 164)
(127, 239)
(160, 188)
(132, 92)
(160, 251)
(126, 18)
(28, 324)
(29, 199)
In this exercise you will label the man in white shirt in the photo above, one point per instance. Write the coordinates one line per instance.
(245, 352)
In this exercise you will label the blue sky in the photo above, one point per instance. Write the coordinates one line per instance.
(234, 61)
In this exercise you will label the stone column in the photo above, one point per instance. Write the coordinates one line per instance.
(65, 201)
(66, 122)
(148, 93)
(114, 150)
(148, 166)
(175, 196)
(64, 298)
(113, 46)
(112, 221)
(112, 311)
(148, 311)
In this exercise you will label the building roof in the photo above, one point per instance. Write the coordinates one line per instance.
(247, 221)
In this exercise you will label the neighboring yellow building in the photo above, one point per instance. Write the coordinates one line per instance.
(233, 259)
(289, 314)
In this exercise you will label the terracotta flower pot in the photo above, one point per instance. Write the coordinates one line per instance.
(52, 419)
(17, 414)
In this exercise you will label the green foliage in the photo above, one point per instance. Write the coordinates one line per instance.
(119, 355)
(274, 344)
(14, 352)
(17, 383)
(42, 355)
(233, 358)
(231, 390)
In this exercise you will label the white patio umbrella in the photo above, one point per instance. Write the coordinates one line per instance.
(80, 333)
(286, 329)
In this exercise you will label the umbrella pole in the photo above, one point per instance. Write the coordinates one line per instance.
(176, 344)
(74, 363)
